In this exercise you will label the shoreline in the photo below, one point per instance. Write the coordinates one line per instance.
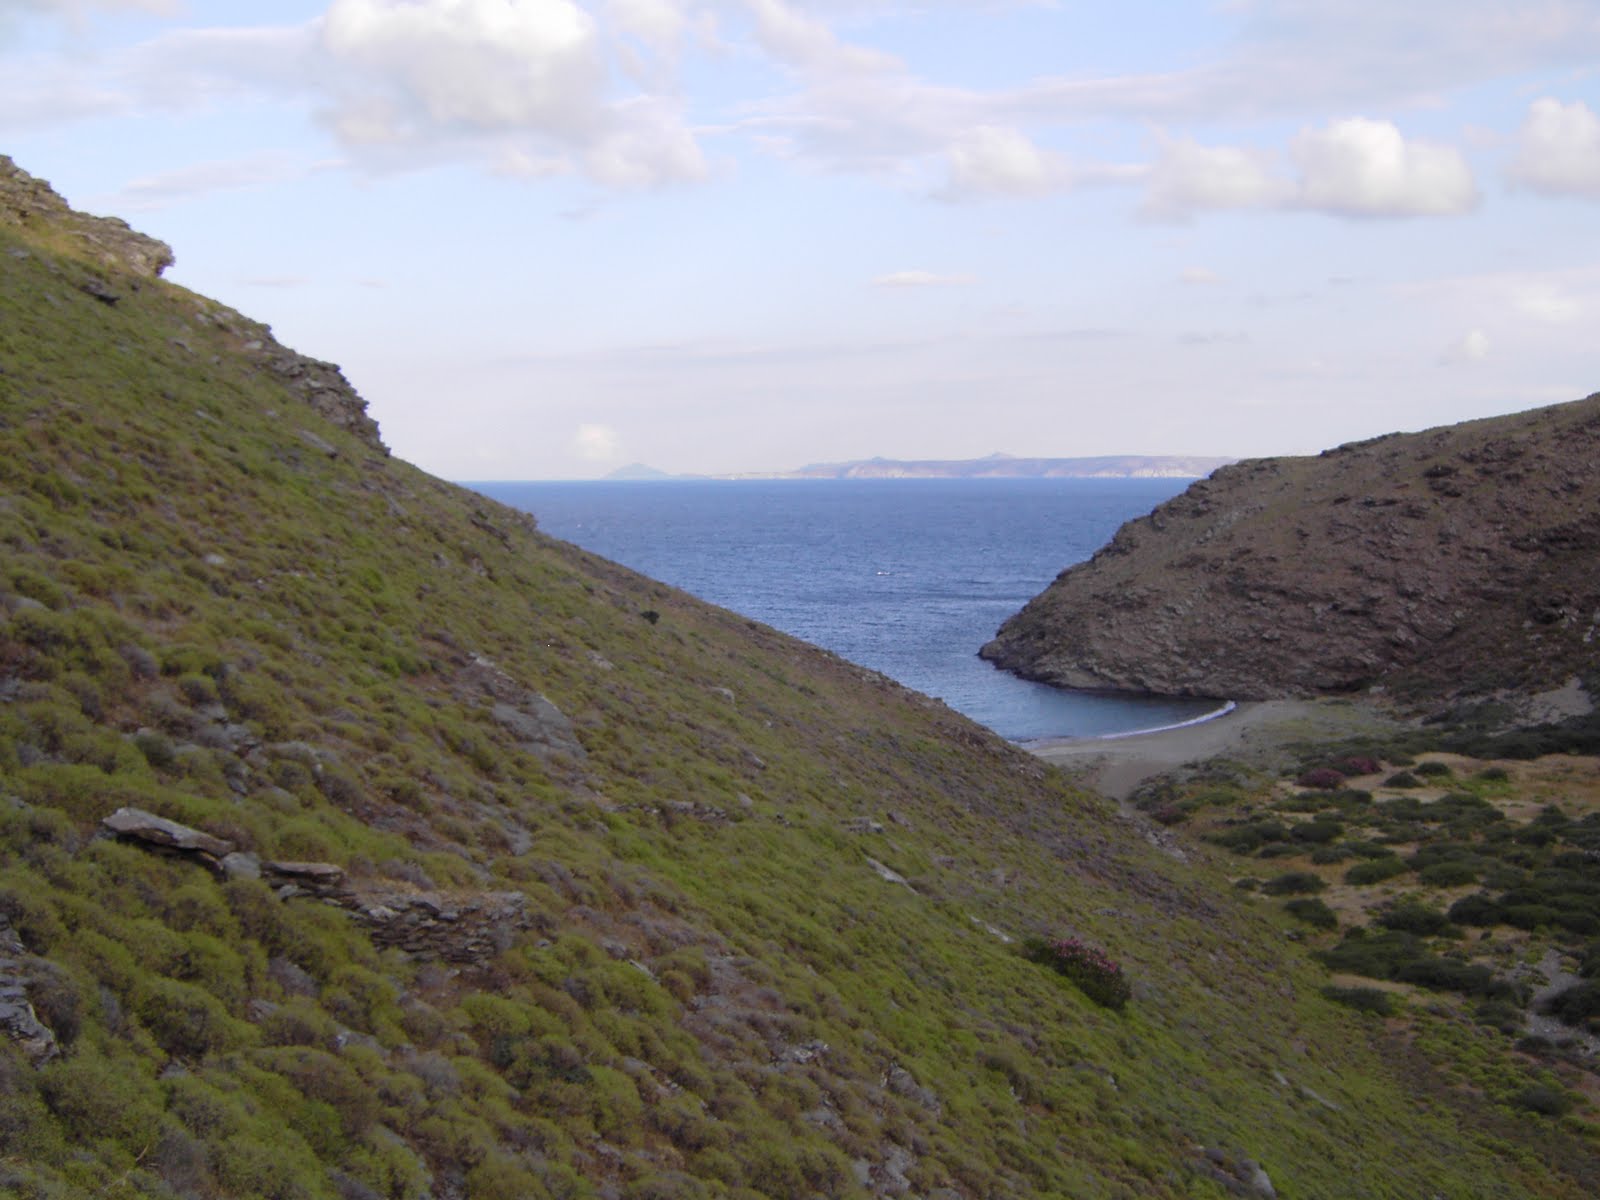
(1258, 730)
(1033, 745)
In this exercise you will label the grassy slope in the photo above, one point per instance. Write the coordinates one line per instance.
(176, 557)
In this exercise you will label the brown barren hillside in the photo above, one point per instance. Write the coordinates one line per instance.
(1458, 561)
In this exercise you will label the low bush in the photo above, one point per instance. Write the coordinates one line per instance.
(1479, 908)
(1358, 765)
(1322, 778)
(1088, 967)
(1449, 975)
(1323, 855)
(1242, 839)
(1375, 870)
(1415, 918)
(1433, 770)
(1578, 1005)
(1402, 779)
(1375, 955)
(1544, 1100)
(1318, 832)
(1293, 882)
(1448, 874)
(1362, 999)
(1313, 912)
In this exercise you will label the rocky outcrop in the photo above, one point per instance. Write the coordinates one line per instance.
(25, 200)
(19, 1023)
(466, 928)
(158, 833)
(530, 717)
(323, 386)
(1460, 561)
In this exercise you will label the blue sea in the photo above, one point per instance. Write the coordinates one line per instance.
(907, 576)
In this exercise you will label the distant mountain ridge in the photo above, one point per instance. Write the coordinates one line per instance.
(1463, 560)
(995, 466)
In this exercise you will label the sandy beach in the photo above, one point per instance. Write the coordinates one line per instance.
(1254, 730)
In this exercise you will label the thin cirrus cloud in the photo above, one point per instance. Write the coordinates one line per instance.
(1558, 149)
(198, 179)
(1352, 167)
(920, 279)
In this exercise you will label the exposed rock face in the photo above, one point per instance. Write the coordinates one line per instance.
(158, 833)
(19, 1023)
(1460, 561)
(25, 200)
(326, 390)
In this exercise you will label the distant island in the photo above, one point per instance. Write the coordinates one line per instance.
(995, 466)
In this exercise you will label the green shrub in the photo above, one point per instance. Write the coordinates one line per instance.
(1415, 918)
(1313, 912)
(1375, 870)
(1376, 955)
(1292, 883)
(1242, 839)
(1402, 779)
(187, 1022)
(1545, 1100)
(1578, 1005)
(1448, 975)
(1433, 770)
(1362, 999)
(1320, 831)
(1448, 874)
(1477, 909)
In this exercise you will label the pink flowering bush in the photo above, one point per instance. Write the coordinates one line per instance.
(1094, 973)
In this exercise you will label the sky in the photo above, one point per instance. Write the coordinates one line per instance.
(546, 238)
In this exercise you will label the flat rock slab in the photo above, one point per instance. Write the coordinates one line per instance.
(141, 826)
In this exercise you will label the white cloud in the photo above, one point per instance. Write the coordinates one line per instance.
(1353, 167)
(477, 64)
(1365, 168)
(1546, 302)
(523, 83)
(919, 279)
(995, 159)
(658, 22)
(1473, 347)
(1198, 276)
(1558, 149)
(595, 443)
(807, 43)
(1189, 177)
(646, 145)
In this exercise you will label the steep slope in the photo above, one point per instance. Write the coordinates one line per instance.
(358, 840)
(1458, 561)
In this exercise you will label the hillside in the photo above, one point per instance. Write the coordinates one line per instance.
(1461, 561)
(358, 840)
